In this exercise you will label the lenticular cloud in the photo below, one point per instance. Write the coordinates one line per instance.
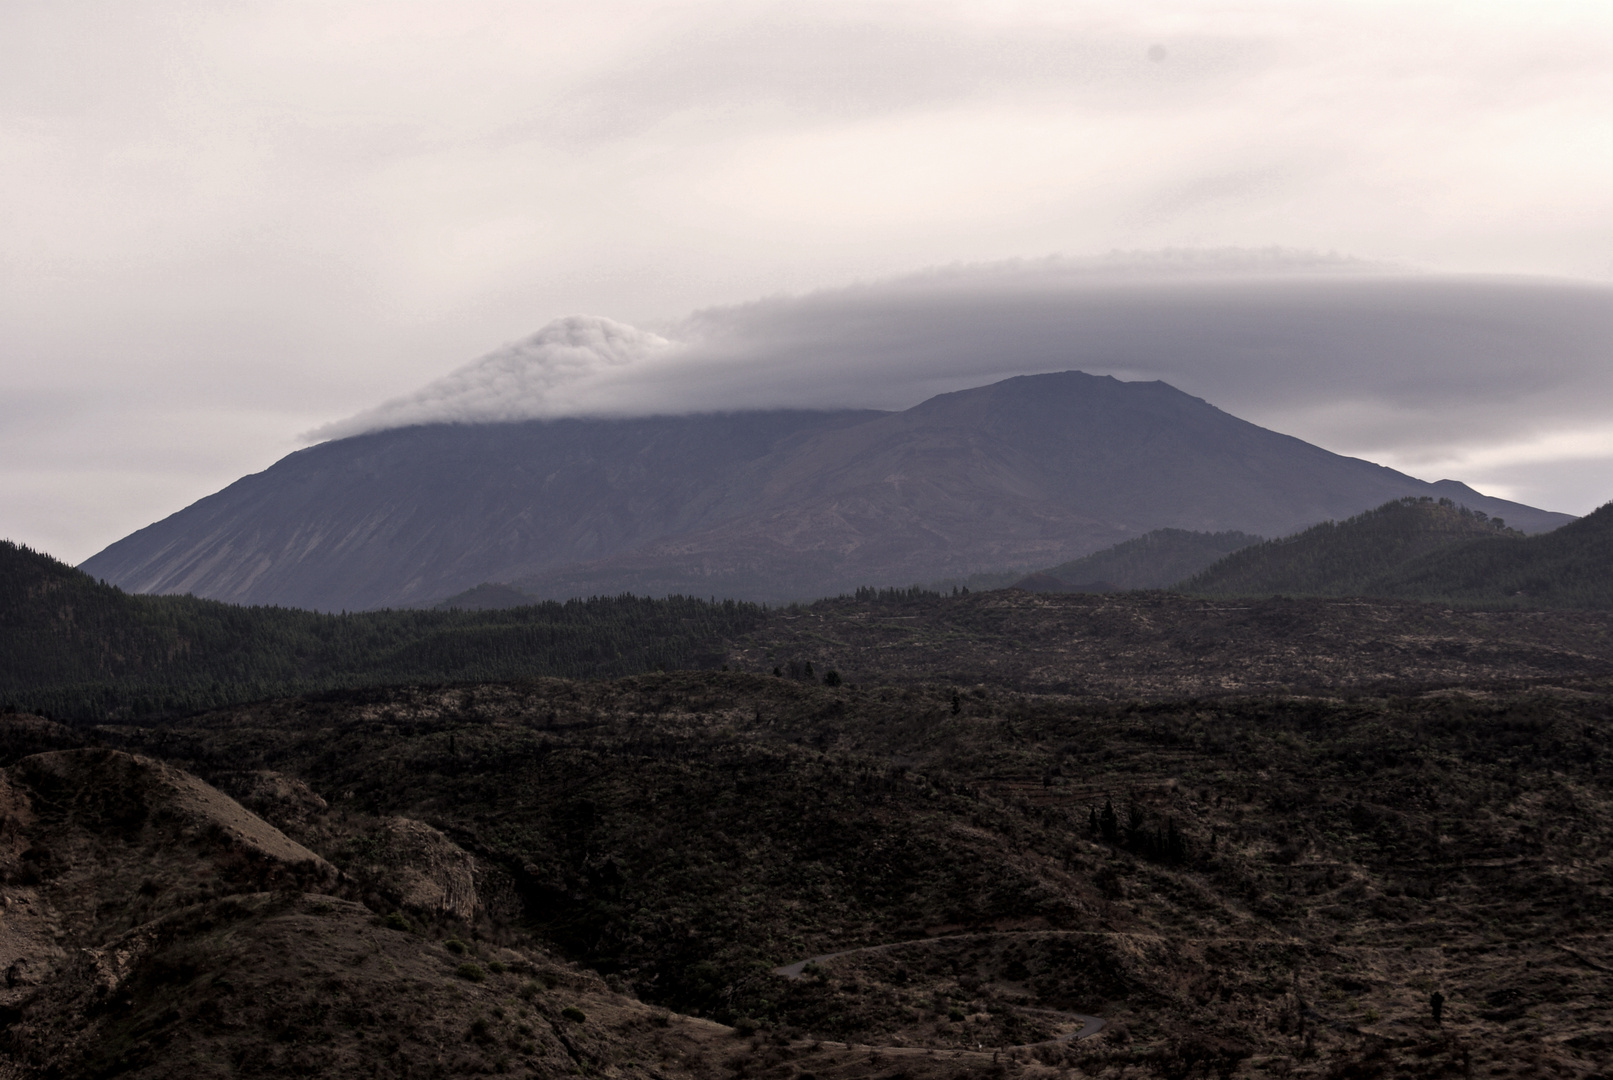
(548, 374)
(1360, 359)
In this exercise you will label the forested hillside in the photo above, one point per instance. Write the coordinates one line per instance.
(1359, 556)
(73, 647)
(1571, 567)
(1415, 549)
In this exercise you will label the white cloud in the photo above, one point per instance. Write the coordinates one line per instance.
(547, 374)
(1463, 376)
(291, 211)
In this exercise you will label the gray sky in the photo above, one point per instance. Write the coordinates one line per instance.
(227, 226)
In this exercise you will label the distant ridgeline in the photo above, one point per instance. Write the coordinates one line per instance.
(1422, 549)
(73, 648)
(1154, 560)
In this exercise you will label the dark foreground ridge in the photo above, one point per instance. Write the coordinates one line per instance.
(1084, 1026)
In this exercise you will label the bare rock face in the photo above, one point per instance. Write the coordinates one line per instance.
(96, 843)
(152, 927)
(285, 800)
(430, 872)
(100, 851)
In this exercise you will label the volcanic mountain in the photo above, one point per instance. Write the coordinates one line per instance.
(772, 505)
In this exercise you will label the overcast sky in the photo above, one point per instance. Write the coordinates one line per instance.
(1386, 227)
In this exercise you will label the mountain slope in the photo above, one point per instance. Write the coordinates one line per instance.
(76, 648)
(775, 506)
(1152, 561)
(1427, 550)
(407, 516)
(1570, 567)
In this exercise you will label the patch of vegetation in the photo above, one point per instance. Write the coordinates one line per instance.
(74, 648)
(1159, 644)
(1431, 551)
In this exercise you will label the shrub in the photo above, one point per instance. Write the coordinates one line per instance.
(746, 1027)
(455, 946)
(529, 990)
(574, 1014)
(497, 967)
(396, 921)
(470, 972)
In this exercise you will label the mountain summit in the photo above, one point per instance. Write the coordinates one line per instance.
(770, 505)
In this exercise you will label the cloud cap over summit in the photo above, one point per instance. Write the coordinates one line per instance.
(547, 374)
(1431, 373)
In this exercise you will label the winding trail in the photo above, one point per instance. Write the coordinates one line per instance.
(1090, 1025)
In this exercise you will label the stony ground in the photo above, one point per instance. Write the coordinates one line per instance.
(1269, 870)
(1151, 645)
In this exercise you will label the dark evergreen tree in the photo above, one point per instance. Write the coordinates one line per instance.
(1109, 823)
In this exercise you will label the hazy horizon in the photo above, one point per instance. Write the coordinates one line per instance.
(1381, 228)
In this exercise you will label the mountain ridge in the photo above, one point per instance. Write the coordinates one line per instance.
(1427, 550)
(775, 506)
(1354, 556)
(1154, 560)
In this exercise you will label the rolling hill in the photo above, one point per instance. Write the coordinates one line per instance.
(1431, 551)
(1570, 567)
(76, 648)
(774, 506)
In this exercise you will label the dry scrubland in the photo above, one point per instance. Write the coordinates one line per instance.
(1155, 645)
(1253, 838)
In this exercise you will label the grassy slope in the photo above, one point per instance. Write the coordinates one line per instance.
(1428, 552)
